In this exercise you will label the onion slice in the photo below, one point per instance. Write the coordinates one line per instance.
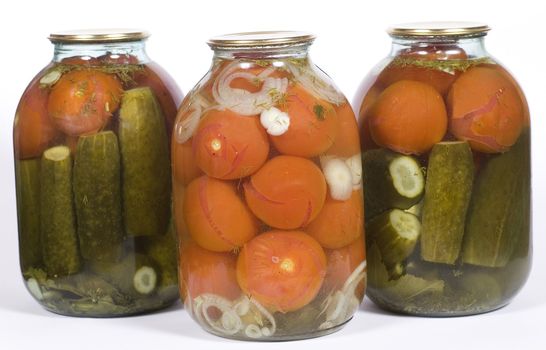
(342, 304)
(245, 102)
(188, 117)
(244, 316)
(229, 323)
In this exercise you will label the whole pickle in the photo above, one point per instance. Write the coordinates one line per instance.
(146, 174)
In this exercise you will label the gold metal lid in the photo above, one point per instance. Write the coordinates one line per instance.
(98, 36)
(438, 29)
(260, 39)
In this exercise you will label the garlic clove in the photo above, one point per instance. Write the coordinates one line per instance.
(338, 177)
(355, 165)
(275, 121)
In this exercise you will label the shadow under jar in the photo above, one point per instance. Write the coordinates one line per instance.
(92, 167)
(446, 163)
(268, 195)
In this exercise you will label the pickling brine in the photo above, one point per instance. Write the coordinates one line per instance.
(268, 193)
(445, 135)
(93, 175)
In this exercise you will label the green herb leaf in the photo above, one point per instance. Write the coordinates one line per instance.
(319, 112)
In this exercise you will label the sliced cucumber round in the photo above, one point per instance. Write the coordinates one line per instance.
(145, 280)
(407, 177)
(396, 233)
(406, 225)
(57, 153)
(391, 180)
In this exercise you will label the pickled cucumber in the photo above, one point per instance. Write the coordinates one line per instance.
(57, 217)
(98, 197)
(378, 276)
(28, 206)
(163, 250)
(403, 289)
(392, 181)
(499, 214)
(146, 174)
(396, 233)
(409, 287)
(135, 275)
(450, 175)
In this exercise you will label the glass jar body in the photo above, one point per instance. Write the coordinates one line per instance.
(271, 244)
(445, 136)
(91, 142)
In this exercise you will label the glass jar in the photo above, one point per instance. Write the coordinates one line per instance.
(92, 167)
(268, 195)
(446, 161)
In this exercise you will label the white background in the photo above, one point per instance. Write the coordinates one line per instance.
(351, 40)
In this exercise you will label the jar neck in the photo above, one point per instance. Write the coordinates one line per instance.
(473, 47)
(262, 53)
(136, 49)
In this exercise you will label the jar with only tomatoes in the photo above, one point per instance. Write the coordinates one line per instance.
(93, 176)
(446, 163)
(268, 195)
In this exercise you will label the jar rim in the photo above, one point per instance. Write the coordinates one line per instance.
(438, 29)
(260, 39)
(106, 35)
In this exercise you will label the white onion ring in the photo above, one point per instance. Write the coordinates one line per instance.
(230, 323)
(354, 279)
(268, 315)
(253, 331)
(184, 129)
(342, 304)
(242, 306)
(242, 101)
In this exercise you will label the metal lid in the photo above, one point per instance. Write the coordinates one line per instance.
(439, 29)
(98, 36)
(260, 39)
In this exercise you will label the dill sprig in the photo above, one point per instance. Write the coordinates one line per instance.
(441, 65)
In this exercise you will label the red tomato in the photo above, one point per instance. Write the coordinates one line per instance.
(486, 109)
(287, 192)
(227, 145)
(283, 270)
(347, 142)
(314, 124)
(217, 218)
(33, 130)
(82, 101)
(438, 79)
(339, 222)
(202, 271)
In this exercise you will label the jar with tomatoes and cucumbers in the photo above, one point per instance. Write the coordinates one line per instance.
(93, 178)
(267, 184)
(445, 134)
